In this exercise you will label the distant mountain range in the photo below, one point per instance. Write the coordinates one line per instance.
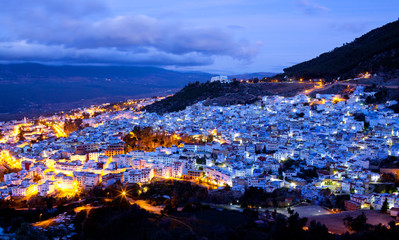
(375, 51)
(30, 72)
(31, 89)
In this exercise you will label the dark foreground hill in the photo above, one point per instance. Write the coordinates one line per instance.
(376, 51)
(31, 89)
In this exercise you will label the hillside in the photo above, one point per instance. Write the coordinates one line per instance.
(221, 94)
(376, 51)
(31, 89)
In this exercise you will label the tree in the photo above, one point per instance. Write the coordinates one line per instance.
(86, 115)
(295, 223)
(41, 137)
(318, 230)
(49, 202)
(25, 231)
(356, 224)
(170, 206)
(264, 149)
(385, 206)
(37, 178)
(201, 160)
(21, 135)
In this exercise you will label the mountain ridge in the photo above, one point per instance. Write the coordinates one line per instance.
(42, 72)
(30, 87)
(376, 51)
(245, 76)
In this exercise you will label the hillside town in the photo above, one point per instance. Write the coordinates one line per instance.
(310, 145)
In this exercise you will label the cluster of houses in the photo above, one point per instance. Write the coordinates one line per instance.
(245, 146)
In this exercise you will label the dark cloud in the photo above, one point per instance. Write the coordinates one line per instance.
(23, 51)
(311, 7)
(77, 30)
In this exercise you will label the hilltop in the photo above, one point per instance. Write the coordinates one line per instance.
(258, 75)
(224, 94)
(376, 51)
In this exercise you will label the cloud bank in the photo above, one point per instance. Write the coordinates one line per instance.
(86, 31)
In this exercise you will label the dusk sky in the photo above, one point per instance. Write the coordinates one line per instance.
(224, 36)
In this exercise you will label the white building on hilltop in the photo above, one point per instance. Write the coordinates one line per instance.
(220, 78)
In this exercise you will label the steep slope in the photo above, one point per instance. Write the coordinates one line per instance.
(375, 51)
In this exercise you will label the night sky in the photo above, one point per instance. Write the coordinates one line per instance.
(219, 36)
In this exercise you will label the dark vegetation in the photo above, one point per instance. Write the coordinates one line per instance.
(385, 187)
(118, 219)
(357, 224)
(144, 138)
(258, 75)
(256, 197)
(390, 162)
(395, 107)
(223, 94)
(193, 93)
(72, 125)
(131, 222)
(18, 221)
(381, 96)
(179, 193)
(376, 51)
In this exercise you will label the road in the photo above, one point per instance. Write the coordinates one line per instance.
(181, 222)
(365, 85)
(9, 161)
(59, 132)
(305, 211)
(344, 83)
